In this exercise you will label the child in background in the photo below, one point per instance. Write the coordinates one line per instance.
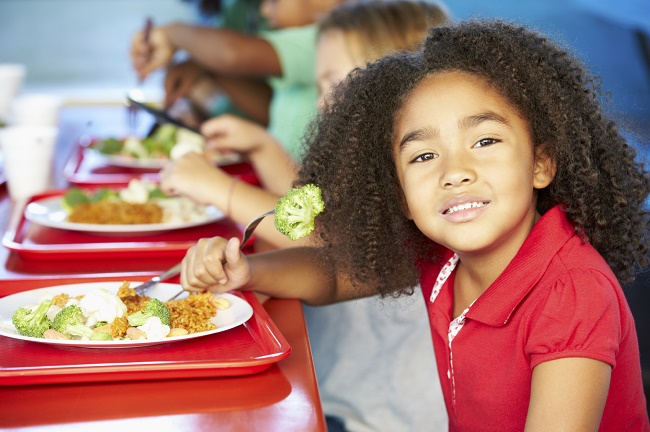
(192, 89)
(374, 358)
(284, 55)
(484, 168)
(396, 393)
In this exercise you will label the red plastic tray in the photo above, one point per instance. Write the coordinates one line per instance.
(32, 241)
(86, 168)
(247, 349)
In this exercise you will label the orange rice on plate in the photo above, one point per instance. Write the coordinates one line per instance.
(193, 313)
(116, 213)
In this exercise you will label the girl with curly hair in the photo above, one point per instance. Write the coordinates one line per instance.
(482, 167)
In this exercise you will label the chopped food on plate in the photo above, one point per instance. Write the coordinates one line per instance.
(100, 315)
(167, 142)
(139, 203)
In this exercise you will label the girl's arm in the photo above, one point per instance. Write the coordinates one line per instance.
(251, 95)
(195, 177)
(219, 50)
(568, 394)
(286, 273)
(188, 79)
(274, 166)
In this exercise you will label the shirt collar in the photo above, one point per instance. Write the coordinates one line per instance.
(495, 306)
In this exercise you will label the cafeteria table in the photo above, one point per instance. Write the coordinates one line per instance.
(281, 397)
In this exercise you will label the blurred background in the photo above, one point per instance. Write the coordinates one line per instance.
(79, 49)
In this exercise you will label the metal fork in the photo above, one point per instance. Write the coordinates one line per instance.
(248, 231)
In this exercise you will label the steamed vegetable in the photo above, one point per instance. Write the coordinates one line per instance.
(295, 212)
(32, 323)
(70, 321)
(153, 308)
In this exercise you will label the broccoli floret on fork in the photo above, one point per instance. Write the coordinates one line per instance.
(295, 212)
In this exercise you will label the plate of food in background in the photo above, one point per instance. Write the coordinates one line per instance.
(152, 152)
(111, 315)
(140, 208)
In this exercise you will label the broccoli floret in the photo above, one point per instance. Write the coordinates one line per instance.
(101, 336)
(70, 322)
(109, 146)
(154, 307)
(101, 195)
(295, 212)
(73, 197)
(165, 137)
(157, 193)
(32, 323)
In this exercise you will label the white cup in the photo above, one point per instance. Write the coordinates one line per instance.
(36, 110)
(28, 153)
(11, 80)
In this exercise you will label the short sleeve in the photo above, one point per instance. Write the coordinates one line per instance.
(580, 317)
(294, 93)
(296, 49)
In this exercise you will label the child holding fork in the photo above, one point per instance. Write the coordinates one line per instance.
(483, 168)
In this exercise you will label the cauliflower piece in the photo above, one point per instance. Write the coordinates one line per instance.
(187, 136)
(182, 148)
(154, 328)
(137, 192)
(101, 305)
(52, 311)
(182, 209)
(186, 142)
(133, 146)
(72, 301)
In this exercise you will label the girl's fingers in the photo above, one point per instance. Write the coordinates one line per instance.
(212, 258)
(203, 268)
(233, 254)
(186, 272)
(213, 128)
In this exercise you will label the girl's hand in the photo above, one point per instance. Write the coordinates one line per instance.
(147, 56)
(202, 269)
(228, 133)
(193, 176)
(180, 80)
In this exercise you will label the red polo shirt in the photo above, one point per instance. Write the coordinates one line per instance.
(557, 298)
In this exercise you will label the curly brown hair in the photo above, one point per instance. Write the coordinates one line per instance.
(349, 152)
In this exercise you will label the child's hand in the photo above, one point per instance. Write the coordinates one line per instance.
(193, 176)
(228, 133)
(147, 56)
(202, 269)
(180, 79)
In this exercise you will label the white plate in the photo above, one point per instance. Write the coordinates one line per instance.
(238, 313)
(132, 162)
(49, 212)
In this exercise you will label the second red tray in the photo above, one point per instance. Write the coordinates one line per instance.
(86, 168)
(32, 241)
